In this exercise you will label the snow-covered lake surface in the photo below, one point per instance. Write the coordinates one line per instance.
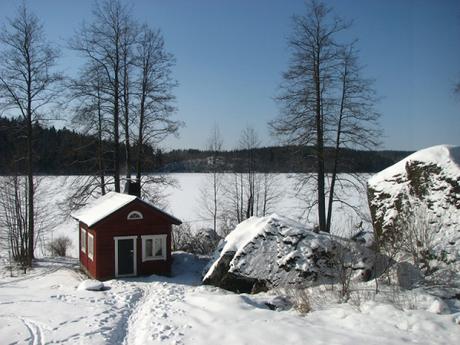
(183, 201)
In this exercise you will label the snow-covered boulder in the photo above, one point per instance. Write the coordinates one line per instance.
(425, 189)
(91, 285)
(262, 253)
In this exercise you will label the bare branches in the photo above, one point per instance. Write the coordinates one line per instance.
(125, 83)
(104, 43)
(27, 82)
(251, 192)
(153, 92)
(210, 193)
(325, 102)
(28, 87)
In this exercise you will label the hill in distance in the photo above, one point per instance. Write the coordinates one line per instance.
(68, 152)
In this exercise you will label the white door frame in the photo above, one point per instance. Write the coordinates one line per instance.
(134, 239)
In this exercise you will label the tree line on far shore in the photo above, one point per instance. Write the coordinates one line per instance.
(68, 152)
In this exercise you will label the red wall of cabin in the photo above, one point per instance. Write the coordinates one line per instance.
(117, 224)
(89, 265)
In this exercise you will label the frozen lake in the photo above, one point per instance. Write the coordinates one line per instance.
(184, 201)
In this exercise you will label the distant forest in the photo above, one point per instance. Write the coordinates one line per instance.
(67, 152)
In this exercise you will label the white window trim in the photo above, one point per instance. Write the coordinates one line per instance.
(153, 237)
(83, 240)
(134, 238)
(137, 215)
(90, 252)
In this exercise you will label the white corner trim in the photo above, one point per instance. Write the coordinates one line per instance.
(163, 243)
(90, 255)
(134, 239)
(83, 239)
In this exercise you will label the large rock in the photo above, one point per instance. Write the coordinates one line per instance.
(262, 253)
(424, 190)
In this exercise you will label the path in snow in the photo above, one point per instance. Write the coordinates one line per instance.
(36, 331)
(177, 311)
(44, 306)
(48, 308)
(159, 316)
(151, 320)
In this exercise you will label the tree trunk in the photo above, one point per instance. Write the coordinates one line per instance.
(116, 116)
(215, 199)
(140, 140)
(319, 148)
(126, 118)
(30, 187)
(336, 153)
(100, 147)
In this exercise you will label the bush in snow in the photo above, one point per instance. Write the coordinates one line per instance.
(59, 246)
(300, 299)
(203, 241)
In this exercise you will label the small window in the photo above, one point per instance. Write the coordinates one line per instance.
(90, 246)
(153, 247)
(83, 240)
(133, 215)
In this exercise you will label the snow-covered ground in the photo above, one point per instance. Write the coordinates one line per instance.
(45, 307)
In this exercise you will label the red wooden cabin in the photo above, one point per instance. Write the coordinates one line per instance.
(121, 235)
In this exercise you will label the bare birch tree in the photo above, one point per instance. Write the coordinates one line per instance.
(153, 96)
(249, 141)
(135, 94)
(210, 192)
(355, 123)
(251, 191)
(325, 103)
(28, 87)
(101, 42)
(128, 42)
(91, 109)
(14, 218)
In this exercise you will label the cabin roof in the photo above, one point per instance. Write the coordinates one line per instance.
(110, 203)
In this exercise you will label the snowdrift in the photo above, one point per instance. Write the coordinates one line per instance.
(262, 253)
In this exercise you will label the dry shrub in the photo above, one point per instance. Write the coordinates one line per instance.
(59, 246)
(203, 241)
(300, 298)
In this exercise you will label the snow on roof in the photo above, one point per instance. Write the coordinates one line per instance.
(108, 204)
(102, 207)
(446, 156)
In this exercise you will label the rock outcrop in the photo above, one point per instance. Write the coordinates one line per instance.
(423, 192)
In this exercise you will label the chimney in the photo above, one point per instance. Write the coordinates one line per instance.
(133, 187)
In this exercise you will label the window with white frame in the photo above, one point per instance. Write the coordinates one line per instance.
(153, 247)
(133, 215)
(90, 246)
(83, 240)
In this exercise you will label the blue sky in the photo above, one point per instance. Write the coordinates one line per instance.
(231, 53)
